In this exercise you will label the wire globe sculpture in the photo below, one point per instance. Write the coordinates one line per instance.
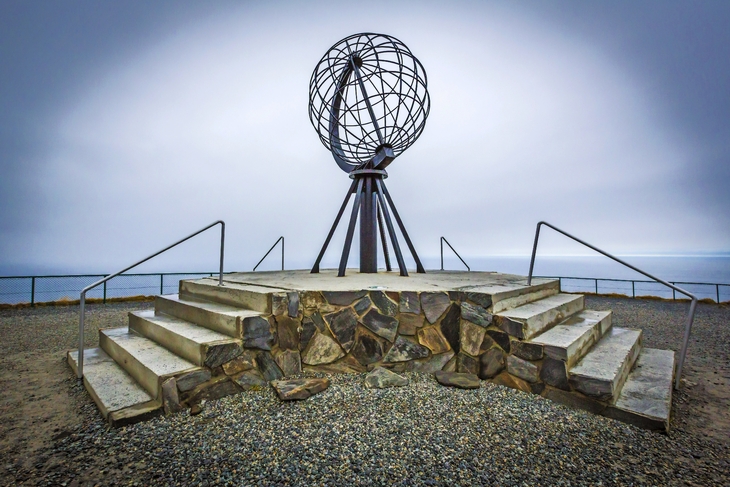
(368, 100)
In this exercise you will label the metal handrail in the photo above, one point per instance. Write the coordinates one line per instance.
(692, 306)
(272, 248)
(453, 250)
(82, 298)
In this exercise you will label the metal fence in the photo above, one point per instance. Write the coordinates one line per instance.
(44, 289)
(38, 289)
(718, 293)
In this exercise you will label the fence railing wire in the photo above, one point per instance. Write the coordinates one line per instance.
(48, 289)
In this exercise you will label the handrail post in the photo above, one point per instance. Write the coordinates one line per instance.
(32, 291)
(596, 286)
(82, 303)
(442, 252)
(104, 300)
(717, 290)
(633, 290)
(272, 248)
(685, 342)
(223, 241)
(282, 252)
(534, 251)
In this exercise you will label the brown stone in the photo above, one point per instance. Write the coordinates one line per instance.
(170, 398)
(554, 372)
(450, 365)
(279, 304)
(342, 325)
(348, 365)
(501, 338)
(491, 363)
(404, 350)
(311, 300)
(409, 323)
(432, 338)
(459, 380)
(368, 348)
(507, 380)
(216, 355)
(487, 343)
(450, 326)
(310, 324)
(293, 304)
(289, 361)
(288, 330)
(467, 364)
(432, 364)
(527, 350)
(523, 369)
(384, 303)
(298, 389)
(343, 298)
(245, 361)
(471, 338)
(191, 380)
(321, 350)
(268, 367)
(381, 378)
(381, 325)
(214, 389)
(434, 305)
(483, 300)
(409, 302)
(257, 333)
(476, 314)
(250, 380)
(362, 306)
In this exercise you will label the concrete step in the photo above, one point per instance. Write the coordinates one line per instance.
(247, 296)
(603, 370)
(571, 339)
(197, 344)
(646, 397)
(528, 320)
(146, 361)
(120, 399)
(219, 317)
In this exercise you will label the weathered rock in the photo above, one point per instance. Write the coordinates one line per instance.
(310, 324)
(501, 338)
(410, 323)
(289, 361)
(321, 350)
(288, 330)
(293, 305)
(577, 401)
(553, 372)
(404, 350)
(450, 365)
(298, 389)
(381, 325)
(342, 325)
(170, 398)
(487, 343)
(483, 300)
(343, 298)
(456, 379)
(522, 369)
(267, 366)
(216, 355)
(431, 365)
(311, 300)
(476, 314)
(409, 302)
(191, 380)
(527, 350)
(457, 296)
(250, 380)
(196, 409)
(362, 306)
(348, 365)
(279, 304)
(383, 303)
(434, 305)
(368, 348)
(257, 333)
(507, 380)
(432, 338)
(381, 378)
(450, 326)
(472, 337)
(512, 327)
(467, 364)
(215, 389)
(245, 361)
(491, 363)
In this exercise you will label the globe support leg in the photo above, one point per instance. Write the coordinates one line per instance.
(383, 240)
(368, 229)
(315, 267)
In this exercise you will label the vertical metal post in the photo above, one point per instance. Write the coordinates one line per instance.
(534, 251)
(596, 285)
(315, 267)
(162, 288)
(674, 294)
(633, 290)
(104, 300)
(717, 290)
(32, 291)
(560, 284)
(391, 231)
(685, 342)
(368, 232)
(442, 254)
(80, 368)
(223, 240)
(383, 240)
(350, 231)
(282, 253)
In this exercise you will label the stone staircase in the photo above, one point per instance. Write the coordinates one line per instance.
(208, 342)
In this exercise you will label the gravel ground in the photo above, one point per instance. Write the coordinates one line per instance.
(421, 434)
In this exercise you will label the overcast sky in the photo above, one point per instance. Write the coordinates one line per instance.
(126, 125)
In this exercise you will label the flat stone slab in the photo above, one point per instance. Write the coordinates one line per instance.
(381, 378)
(530, 319)
(298, 389)
(570, 339)
(457, 379)
(646, 397)
(603, 370)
